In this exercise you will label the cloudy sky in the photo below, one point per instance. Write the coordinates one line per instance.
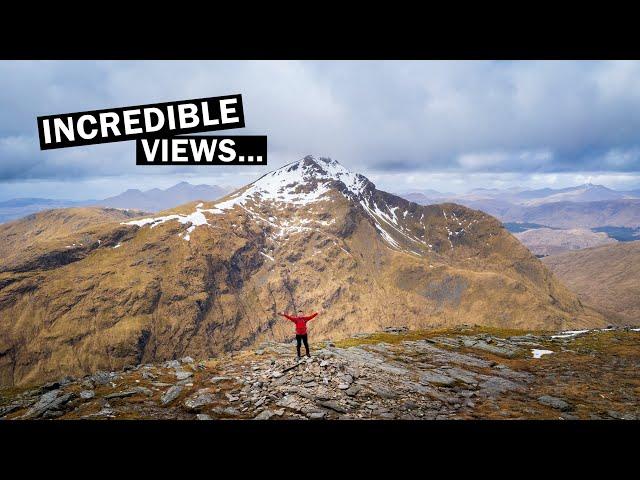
(408, 126)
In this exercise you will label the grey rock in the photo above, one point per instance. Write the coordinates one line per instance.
(171, 394)
(183, 374)
(219, 379)
(332, 406)
(87, 394)
(129, 393)
(555, 402)
(199, 400)
(7, 409)
(488, 346)
(290, 401)
(105, 412)
(149, 376)
(203, 416)
(187, 360)
(418, 388)
(496, 385)
(161, 384)
(231, 398)
(383, 391)
(264, 415)
(353, 390)
(348, 379)
(52, 400)
(621, 416)
(568, 416)
(102, 378)
(462, 375)
(436, 378)
(226, 412)
(52, 414)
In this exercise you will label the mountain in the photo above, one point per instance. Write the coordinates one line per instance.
(21, 207)
(210, 277)
(620, 213)
(156, 200)
(565, 214)
(153, 200)
(420, 198)
(605, 277)
(53, 238)
(582, 193)
(550, 241)
(583, 206)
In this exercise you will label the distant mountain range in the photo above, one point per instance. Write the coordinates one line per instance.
(525, 198)
(550, 221)
(156, 200)
(550, 241)
(21, 207)
(153, 200)
(583, 206)
(546, 220)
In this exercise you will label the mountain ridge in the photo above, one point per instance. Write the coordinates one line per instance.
(152, 200)
(209, 277)
(605, 277)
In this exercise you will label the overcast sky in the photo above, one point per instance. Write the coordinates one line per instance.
(408, 126)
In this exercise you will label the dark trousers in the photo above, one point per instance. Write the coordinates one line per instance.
(302, 338)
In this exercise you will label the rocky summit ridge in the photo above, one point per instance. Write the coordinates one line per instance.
(460, 373)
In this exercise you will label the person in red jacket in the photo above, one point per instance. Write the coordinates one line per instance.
(301, 329)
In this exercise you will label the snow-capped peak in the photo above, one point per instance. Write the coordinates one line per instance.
(299, 183)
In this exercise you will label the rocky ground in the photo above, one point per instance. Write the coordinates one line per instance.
(462, 373)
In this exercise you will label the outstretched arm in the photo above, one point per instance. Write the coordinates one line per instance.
(286, 316)
(311, 317)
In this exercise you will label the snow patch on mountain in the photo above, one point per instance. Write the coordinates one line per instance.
(300, 183)
(297, 184)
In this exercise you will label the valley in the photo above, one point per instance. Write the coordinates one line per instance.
(604, 277)
(549, 241)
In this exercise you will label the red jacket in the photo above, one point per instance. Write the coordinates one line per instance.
(301, 323)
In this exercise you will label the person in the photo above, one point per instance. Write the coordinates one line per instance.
(301, 329)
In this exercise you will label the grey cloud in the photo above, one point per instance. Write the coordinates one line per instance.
(499, 117)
